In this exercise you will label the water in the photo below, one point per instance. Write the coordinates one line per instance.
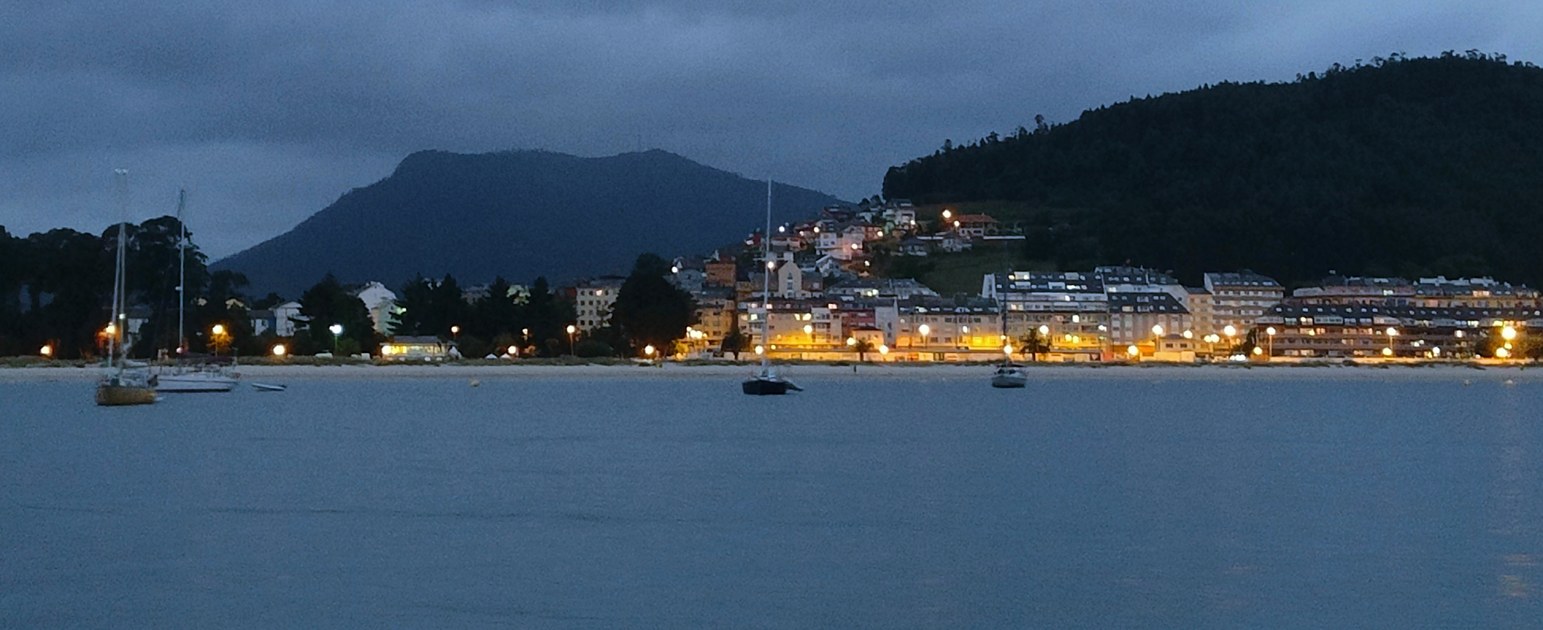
(911, 501)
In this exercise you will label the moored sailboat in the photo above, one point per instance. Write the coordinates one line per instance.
(767, 382)
(123, 384)
(1008, 375)
(190, 374)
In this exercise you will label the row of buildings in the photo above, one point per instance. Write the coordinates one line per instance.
(821, 302)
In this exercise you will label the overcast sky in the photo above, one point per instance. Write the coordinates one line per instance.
(268, 111)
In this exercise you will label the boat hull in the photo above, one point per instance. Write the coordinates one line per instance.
(1009, 382)
(1009, 377)
(765, 387)
(108, 395)
(194, 384)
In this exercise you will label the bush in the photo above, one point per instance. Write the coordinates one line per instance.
(590, 348)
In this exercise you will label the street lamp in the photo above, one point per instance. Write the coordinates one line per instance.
(1157, 339)
(1269, 342)
(648, 351)
(571, 331)
(924, 330)
(809, 330)
(1392, 332)
(279, 351)
(336, 329)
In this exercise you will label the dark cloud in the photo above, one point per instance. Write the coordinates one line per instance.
(269, 111)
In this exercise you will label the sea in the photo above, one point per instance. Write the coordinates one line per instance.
(908, 500)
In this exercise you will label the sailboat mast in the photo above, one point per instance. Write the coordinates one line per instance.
(122, 180)
(766, 275)
(182, 271)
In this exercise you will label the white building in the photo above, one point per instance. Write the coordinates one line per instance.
(381, 302)
(592, 301)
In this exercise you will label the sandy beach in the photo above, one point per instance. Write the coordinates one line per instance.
(815, 373)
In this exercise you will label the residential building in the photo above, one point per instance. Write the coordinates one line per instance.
(898, 288)
(1240, 298)
(1134, 317)
(592, 301)
(381, 303)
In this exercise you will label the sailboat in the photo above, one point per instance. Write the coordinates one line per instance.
(190, 375)
(1008, 375)
(122, 385)
(766, 381)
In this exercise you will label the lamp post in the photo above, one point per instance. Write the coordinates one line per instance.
(1269, 342)
(1044, 338)
(1508, 333)
(648, 351)
(809, 330)
(1157, 339)
(571, 331)
(336, 330)
(1392, 332)
(217, 337)
(924, 330)
(1230, 331)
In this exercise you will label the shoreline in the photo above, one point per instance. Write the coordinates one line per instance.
(1041, 371)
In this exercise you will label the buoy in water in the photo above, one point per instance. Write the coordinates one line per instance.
(475, 383)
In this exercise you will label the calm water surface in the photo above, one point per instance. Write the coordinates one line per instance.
(892, 502)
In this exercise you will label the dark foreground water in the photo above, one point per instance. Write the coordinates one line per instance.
(641, 502)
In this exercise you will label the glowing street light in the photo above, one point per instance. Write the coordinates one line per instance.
(1392, 332)
(1157, 339)
(1508, 333)
(279, 351)
(46, 350)
(760, 349)
(648, 351)
(336, 329)
(1269, 340)
(924, 330)
(572, 330)
(1132, 351)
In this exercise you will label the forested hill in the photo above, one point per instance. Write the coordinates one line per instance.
(518, 214)
(1405, 166)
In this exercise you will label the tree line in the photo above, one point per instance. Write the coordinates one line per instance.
(1401, 166)
(56, 287)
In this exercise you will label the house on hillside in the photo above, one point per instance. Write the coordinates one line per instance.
(381, 302)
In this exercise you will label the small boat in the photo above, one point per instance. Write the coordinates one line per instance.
(266, 387)
(123, 384)
(1009, 375)
(768, 383)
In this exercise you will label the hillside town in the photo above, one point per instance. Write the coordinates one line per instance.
(825, 305)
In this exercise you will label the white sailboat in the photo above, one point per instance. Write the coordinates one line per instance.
(123, 384)
(766, 381)
(1008, 375)
(189, 374)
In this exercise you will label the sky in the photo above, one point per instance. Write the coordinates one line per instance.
(266, 112)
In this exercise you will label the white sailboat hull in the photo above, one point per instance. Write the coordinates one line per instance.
(193, 382)
(1009, 377)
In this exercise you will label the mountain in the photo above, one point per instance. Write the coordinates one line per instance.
(1407, 166)
(519, 214)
